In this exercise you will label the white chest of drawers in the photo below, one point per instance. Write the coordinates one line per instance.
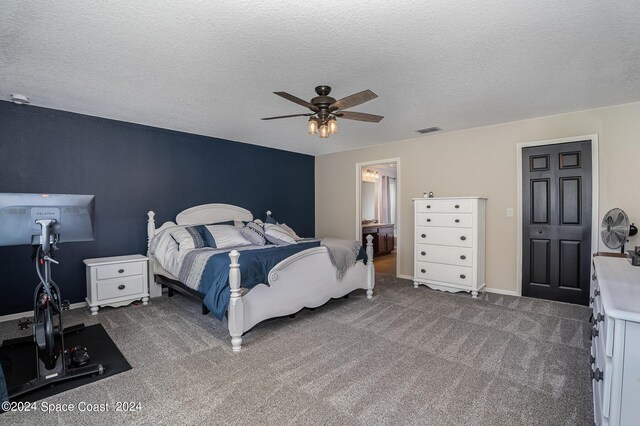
(116, 281)
(449, 244)
(615, 341)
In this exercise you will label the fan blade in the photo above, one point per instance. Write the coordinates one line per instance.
(353, 100)
(287, 116)
(360, 116)
(298, 101)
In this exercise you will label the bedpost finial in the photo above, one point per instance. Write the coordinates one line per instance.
(268, 212)
(151, 215)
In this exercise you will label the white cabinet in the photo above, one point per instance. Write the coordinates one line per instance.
(116, 281)
(615, 341)
(449, 236)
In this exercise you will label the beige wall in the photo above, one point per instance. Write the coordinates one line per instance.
(482, 161)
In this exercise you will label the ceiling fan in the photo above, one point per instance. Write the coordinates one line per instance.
(325, 110)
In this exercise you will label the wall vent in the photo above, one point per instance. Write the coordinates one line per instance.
(429, 130)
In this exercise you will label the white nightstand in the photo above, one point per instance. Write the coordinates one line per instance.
(116, 281)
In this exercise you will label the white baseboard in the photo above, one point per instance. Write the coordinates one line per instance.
(500, 291)
(405, 277)
(19, 315)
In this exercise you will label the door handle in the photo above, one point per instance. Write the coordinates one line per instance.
(539, 231)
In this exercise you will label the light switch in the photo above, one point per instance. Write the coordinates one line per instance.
(509, 211)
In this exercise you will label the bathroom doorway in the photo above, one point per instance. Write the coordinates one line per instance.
(377, 207)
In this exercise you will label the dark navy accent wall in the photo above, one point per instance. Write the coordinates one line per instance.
(132, 169)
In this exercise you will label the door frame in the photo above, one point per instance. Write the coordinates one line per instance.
(594, 196)
(359, 167)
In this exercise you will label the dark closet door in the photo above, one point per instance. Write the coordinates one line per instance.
(556, 220)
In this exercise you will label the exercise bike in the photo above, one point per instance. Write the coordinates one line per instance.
(55, 363)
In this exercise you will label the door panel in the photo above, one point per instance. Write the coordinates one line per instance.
(540, 201)
(556, 221)
(540, 254)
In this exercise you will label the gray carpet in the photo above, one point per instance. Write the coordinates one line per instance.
(409, 356)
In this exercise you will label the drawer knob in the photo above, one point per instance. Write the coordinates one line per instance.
(424, 271)
(596, 292)
(592, 359)
(463, 276)
(457, 220)
(463, 257)
(597, 375)
(457, 206)
(121, 287)
(424, 235)
(593, 277)
(591, 300)
(428, 206)
(428, 220)
(121, 271)
(599, 318)
(463, 238)
(594, 332)
(424, 253)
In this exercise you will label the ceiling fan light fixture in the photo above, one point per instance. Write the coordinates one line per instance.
(324, 131)
(333, 125)
(312, 126)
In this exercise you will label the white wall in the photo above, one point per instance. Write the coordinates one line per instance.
(482, 161)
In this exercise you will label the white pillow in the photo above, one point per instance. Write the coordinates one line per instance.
(290, 231)
(276, 234)
(227, 236)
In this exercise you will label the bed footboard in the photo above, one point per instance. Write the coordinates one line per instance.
(306, 279)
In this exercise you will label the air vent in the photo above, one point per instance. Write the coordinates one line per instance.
(429, 130)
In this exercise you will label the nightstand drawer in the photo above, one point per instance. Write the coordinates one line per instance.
(119, 270)
(120, 287)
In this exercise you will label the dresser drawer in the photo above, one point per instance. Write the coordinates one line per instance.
(120, 287)
(445, 219)
(458, 275)
(118, 270)
(459, 256)
(444, 206)
(462, 237)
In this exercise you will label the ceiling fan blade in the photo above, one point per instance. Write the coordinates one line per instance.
(353, 100)
(287, 116)
(360, 116)
(298, 101)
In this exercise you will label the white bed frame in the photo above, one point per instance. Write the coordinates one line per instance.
(306, 279)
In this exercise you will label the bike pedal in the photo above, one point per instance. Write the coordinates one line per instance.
(24, 323)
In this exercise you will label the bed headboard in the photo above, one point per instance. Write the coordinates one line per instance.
(212, 213)
(198, 215)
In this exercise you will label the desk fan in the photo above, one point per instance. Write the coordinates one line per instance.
(615, 229)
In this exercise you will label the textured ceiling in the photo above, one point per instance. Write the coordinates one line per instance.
(210, 67)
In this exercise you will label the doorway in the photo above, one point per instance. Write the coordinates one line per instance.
(556, 229)
(378, 212)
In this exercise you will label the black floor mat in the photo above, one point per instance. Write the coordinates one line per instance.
(18, 359)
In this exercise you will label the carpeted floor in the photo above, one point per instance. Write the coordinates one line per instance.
(409, 356)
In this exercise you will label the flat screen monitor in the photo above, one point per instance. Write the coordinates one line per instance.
(73, 214)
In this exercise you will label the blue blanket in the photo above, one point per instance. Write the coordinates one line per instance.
(254, 269)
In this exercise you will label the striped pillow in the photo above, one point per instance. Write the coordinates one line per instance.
(254, 232)
(189, 237)
(276, 234)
